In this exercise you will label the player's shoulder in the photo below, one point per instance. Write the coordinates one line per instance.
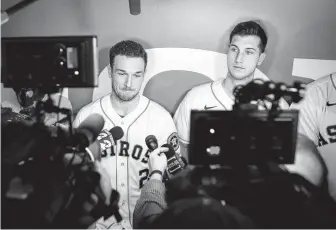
(198, 90)
(321, 82)
(258, 74)
(198, 93)
(157, 109)
(318, 89)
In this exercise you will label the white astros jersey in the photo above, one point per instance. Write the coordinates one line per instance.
(210, 96)
(317, 120)
(127, 162)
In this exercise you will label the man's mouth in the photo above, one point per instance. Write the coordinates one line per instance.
(126, 89)
(238, 67)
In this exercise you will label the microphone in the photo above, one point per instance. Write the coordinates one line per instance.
(175, 163)
(105, 140)
(151, 142)
(87, 132)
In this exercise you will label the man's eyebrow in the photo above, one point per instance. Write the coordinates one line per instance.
(251, 49)
(121, 70)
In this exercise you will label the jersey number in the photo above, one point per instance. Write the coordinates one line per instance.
(143, 177)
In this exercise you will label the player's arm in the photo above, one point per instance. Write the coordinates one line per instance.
(167, 132)
(182, 123)
(308, 162)
(309, 113)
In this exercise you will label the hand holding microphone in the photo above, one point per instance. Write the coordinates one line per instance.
(157, 163)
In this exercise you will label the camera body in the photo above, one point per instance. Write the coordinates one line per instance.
(49, 62)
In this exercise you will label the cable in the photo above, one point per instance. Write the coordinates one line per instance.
(59, 103)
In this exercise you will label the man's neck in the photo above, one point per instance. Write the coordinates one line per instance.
(229, 84)
(123, 108)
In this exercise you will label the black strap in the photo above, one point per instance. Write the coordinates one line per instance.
(155, 171)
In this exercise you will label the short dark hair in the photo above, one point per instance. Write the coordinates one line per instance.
(251, 28)
(127, 48)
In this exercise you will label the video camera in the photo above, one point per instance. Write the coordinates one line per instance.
(240, 159)
(39, 189)
(247, 135)
(240, 154)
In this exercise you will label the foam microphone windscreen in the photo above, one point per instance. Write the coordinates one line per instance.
(92, 126)
(117, 133)
(151, 142)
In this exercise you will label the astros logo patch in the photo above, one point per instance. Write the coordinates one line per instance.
(173, 141)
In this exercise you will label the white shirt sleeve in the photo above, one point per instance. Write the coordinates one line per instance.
(182, 119)
(309, 113)
(168, 133)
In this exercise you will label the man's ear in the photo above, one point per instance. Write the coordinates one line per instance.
(261, 58)
(109, 70)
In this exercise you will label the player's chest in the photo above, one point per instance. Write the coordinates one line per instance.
(327, 129)
(132, 145)
(210, 102)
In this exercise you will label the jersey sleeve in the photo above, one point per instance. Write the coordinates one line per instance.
(182, 119)
(309, 113)
(168, 133)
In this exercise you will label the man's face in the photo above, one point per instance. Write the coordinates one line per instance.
(127, 76)
(244, 56)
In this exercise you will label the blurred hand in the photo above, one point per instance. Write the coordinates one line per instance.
(158, 160)
(105, 181)
(308, 161)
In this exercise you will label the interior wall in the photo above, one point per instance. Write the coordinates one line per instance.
(296, 29)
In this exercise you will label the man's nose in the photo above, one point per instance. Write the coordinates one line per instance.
(129, 81)
(239, 57)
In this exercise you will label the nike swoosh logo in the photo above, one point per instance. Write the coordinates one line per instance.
(328, 104)
(210, 107)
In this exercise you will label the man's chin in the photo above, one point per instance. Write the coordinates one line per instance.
(239, 75)
(125, 97)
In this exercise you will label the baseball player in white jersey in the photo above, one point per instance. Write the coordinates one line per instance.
(125, 165)
(247, 46)
(317, 120)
